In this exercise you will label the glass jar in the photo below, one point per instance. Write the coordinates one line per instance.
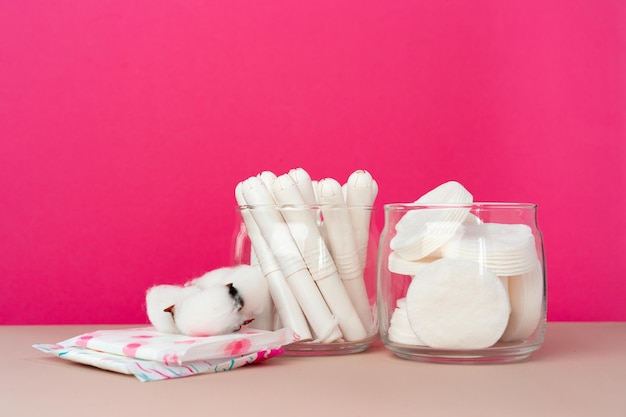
(320, 265)
(461, 283)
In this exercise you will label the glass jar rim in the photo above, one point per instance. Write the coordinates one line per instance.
(478, 204)
(303, 206)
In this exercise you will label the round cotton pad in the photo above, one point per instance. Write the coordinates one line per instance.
(457, 304)
(526, 295)
(399, 328)
(399, 265)
(507, 249)
(421, 231)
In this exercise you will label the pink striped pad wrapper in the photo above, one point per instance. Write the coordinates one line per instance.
(150, 355)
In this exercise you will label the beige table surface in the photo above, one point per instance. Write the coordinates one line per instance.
(579, 371)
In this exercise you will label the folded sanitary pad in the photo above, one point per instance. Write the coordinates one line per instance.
(151, 355)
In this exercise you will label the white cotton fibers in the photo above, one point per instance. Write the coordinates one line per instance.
(219, 302)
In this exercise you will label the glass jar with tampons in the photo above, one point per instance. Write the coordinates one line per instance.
(319, 261)
(461, 282)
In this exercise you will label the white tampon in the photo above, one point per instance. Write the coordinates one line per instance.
(277, 235)
(361, 191)
(374, 190)
(317, 258)
(268, 178)
(320, 223)
(287, 306)
(342, 244)
(314, 185)
(305, 187)
(304, 184)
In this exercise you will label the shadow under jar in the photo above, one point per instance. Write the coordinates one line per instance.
(320, 265)
(462, 283)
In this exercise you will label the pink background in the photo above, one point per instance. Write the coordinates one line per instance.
(125, 125)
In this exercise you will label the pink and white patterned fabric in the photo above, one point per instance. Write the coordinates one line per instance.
(151, 355)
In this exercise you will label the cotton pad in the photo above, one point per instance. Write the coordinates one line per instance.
(457, 304)
(399, 265)
(507, 249)
(421, 231)
(399, 328)
(526, 295)
(159, 298)
(472, 219)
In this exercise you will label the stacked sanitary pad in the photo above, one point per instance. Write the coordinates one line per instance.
(151, 355)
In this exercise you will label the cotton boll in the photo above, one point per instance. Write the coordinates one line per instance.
(159, 298)
(252, 286)
(247, 279)
(254, 290)
(219, 276)
(209, 312)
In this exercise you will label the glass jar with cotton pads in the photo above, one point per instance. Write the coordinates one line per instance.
(461, 283)
(322, 280)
